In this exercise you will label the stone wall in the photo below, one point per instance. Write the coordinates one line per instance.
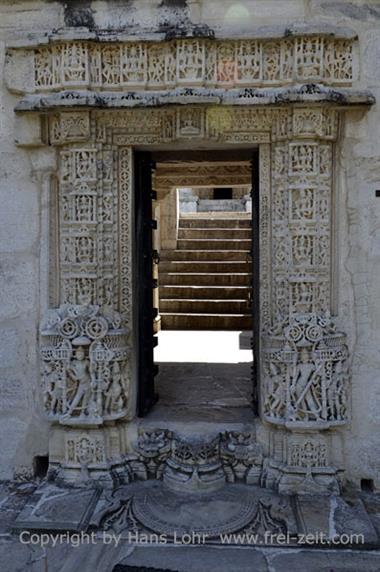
(24, 202)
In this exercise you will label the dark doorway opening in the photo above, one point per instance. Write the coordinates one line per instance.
(197, 293)
(40, 466)
(223, 193)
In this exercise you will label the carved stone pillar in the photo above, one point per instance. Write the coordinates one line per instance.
(85, 356)
(305, 368)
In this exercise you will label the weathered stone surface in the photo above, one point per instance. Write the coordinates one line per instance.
(259, 97)
(52, 508)
(350, 517)
(68, 554)
(354, 213)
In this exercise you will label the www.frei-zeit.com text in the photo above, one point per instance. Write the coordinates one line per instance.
(192, 538)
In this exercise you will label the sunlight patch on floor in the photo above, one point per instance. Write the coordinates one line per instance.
(203, 347)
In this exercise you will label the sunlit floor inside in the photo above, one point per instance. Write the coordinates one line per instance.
(203, 376)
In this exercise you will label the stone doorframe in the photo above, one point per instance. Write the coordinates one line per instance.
(87, 338)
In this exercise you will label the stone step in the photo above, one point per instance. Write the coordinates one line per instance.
(213, 255)
(205, 292)
(201, 222)
(220, 214)
(210, 233)
(213, 244)
(205, 279)
(204, 266)
(177, 321)
(174, 305)
(223, 205)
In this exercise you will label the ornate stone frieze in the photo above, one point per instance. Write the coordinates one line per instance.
(305, 374)
(215, 123)
(84, 354)
(299, 463)
(158, 126)
(188, 62)
(230, 457)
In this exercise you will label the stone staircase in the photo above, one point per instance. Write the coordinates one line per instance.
(205, 283)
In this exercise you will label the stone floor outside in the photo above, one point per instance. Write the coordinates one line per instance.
(123, 555)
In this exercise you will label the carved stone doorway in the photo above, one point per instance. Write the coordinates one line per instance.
(94, 290)
(196, 293)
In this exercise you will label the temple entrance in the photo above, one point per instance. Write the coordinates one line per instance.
(197, 261)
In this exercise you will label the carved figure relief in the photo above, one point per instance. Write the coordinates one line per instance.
(192, 62)
(306, 372)
(84, 355)
(311, 453)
